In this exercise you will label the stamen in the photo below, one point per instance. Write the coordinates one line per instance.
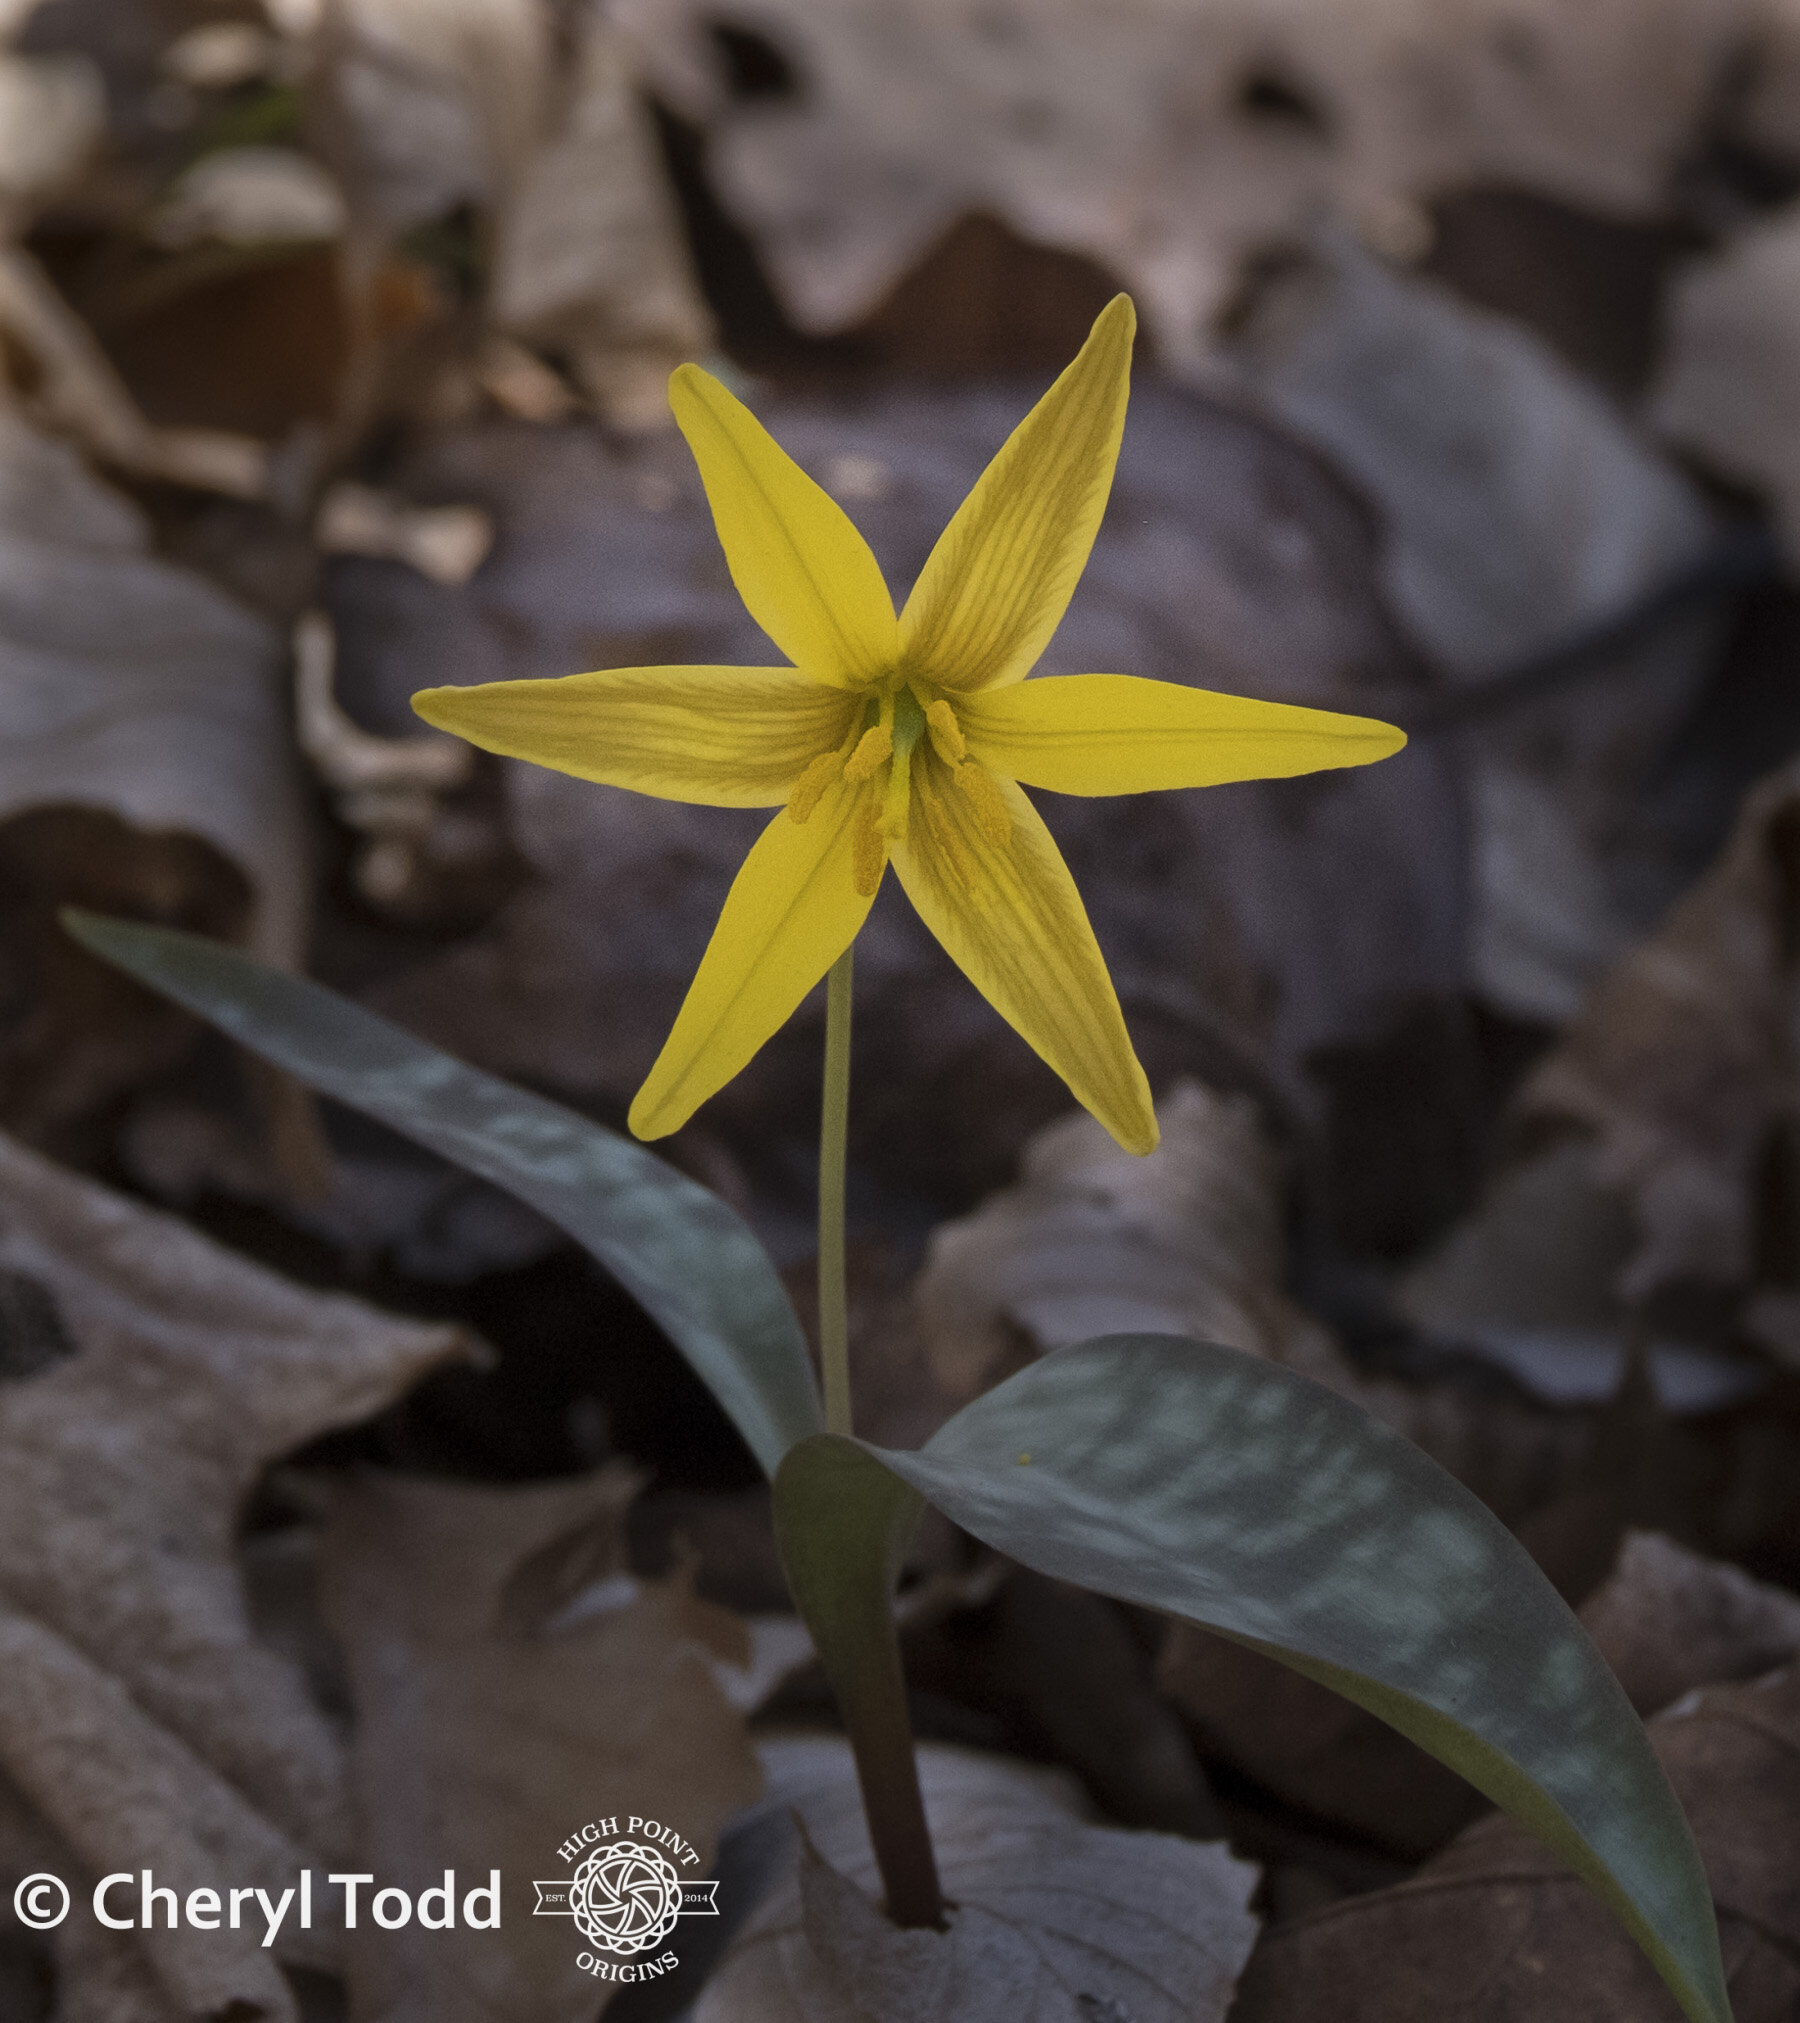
(873, 751)
(946, 733)
(868, 851)
(809, 789)
(992, 816)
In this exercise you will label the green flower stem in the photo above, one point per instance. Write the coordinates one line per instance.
(873, 1700)
(834, 1318)
(843, 1559)
(843, 1523)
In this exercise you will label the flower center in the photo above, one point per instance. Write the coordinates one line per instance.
(901, 721)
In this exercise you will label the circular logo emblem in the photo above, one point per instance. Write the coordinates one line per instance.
(625, 1897)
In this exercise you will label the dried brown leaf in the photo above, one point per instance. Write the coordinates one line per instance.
(148, 1378)
(1529, 1281)
(1680, 1066)
(145, 765)
(446, 543)
(592, 257)
(1168, 142)
(1529, 1278)
(1093, 1241)
(538, 126)
(1730, 372)
(428, 104)
(77, 391)
(1495, 1927)
(1521, 511)
(1322, 1757)
(1055, 1920)
(1670, 1622)
(512, 1680)
(1187, 1241)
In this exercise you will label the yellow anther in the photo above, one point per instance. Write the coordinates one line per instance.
(992, 816)
(868, 851)
(809, 789)
(946, 733)
(874, 749)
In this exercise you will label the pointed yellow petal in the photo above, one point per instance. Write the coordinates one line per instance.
(1014, 924)
(1116, 734)
(729, 737)
(799, 564)
(792, 911)
(1003, 571)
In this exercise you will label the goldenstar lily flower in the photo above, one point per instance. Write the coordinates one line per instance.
(905, 740)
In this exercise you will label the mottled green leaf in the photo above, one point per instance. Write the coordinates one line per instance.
(1226, 1489)
(686, 1257)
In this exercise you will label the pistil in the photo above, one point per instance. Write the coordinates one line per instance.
(908, 726)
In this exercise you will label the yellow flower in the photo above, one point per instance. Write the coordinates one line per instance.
(904, 739)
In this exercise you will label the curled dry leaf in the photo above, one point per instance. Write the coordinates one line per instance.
(1168, 142)
(1669, 1622)
(1680, 1069)
(446, 543)
(428, 104)
(1529, 1280)
(592, 258)
(1056, 1920)
(432, 104)
(146, 1379)
(52, 117)
(1188, 1241)
(145, 766)
(1493, 1927)
(512, 1680)
(76, 392)
(1184, 1242)
(391, 791)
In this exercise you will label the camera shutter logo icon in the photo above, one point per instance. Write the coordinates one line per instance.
(625, 1898)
